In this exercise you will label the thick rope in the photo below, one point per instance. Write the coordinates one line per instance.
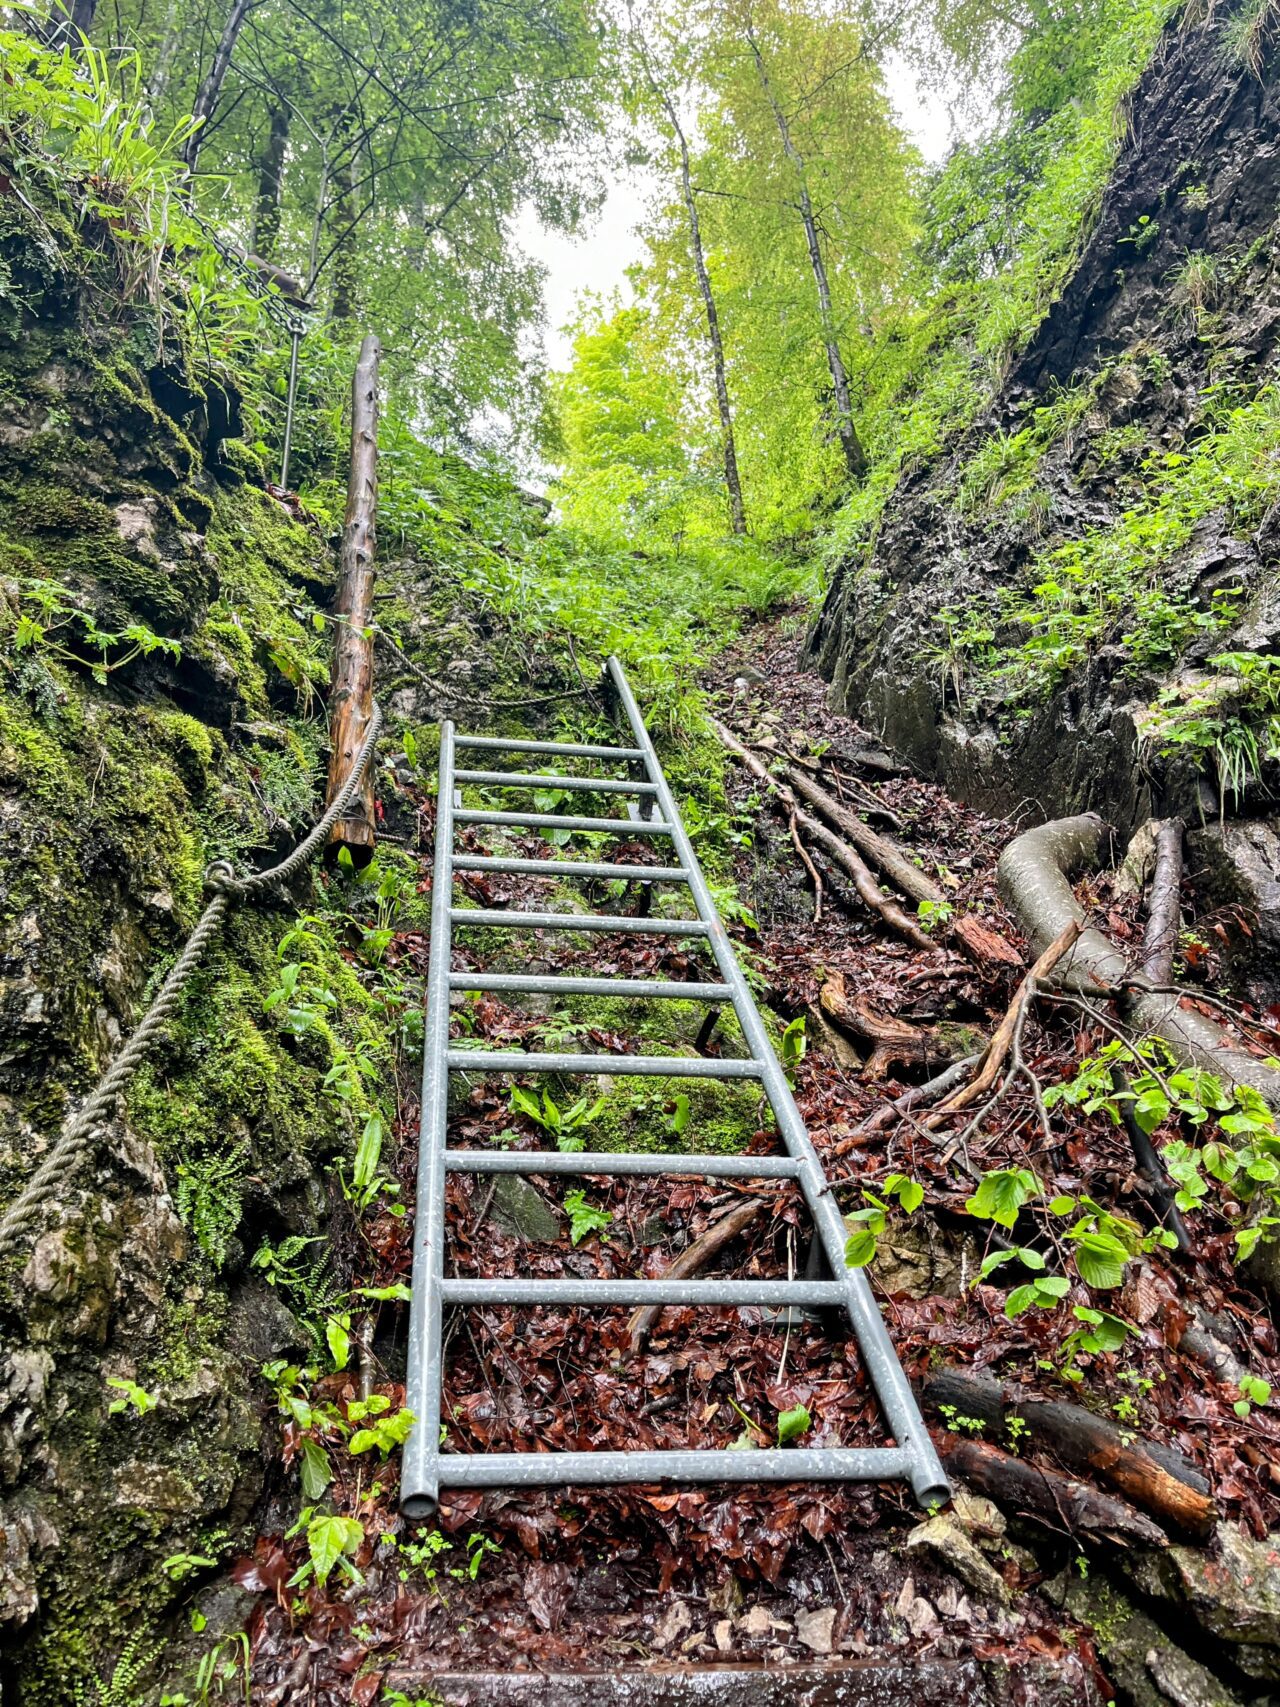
(467, 696)
(77, 1139)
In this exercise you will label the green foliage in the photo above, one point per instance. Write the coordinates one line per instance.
(380, 1429)
(868, 1224)
(792, 1424)
(1233, 718)
(133, 1396)
(565, 1125)
(331, 1540)
(208, 1198)
(583, 1218)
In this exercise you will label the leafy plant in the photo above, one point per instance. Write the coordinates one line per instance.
(792, 1424)
(380, 1429)
(583, 1218)
(133, 1395)
(331, 1541)
(208, 1198)
(563, 1124)
(792, 1050)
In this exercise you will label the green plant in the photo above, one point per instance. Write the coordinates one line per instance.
(868, 1224)
(1253, 1391)
(792, 1424)
(208, 1198)
(56, 615)
(792, 1050)
(133, 1395)
(934, 915)
(331, 1540)
(179, 1566)
(583, 1218)
(564, 1124)
(380, 1429)
(121, 1689)
(957, 1423)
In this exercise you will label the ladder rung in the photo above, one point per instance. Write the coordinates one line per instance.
(561, 821)
(583, 784)
(646, 989)
(635, 1066)
(577, 922)
(572, 868)
(598, 1469)
(607, 1162)
(499, 744)
(724, 1293)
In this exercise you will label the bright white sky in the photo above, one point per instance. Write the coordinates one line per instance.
(598, 259)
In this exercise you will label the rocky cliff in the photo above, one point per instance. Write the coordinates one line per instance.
(1108, 524)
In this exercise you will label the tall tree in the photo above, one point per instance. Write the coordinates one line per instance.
(660, 89)
(854, 455)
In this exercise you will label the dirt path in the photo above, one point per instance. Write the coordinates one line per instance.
(782, 1576)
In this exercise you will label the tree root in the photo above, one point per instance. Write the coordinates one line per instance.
(1033, 876)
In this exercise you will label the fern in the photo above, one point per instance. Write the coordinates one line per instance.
(208, 1199)
(121, 1690)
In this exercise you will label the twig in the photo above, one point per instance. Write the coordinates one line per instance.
(693, 1258)
(809, 866)
(1001, 1043)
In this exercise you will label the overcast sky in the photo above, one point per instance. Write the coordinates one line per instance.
(597, 260)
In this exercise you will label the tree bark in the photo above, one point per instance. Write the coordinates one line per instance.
(854, 455)
(342, 305)
(892, 1040)
(351, 679)
(1058, 1501)
(211, 89)
(266, 210)
(1155, 1478)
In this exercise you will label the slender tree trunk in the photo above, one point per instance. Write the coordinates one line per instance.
(266, 212)
(733, 483)
(211, 88)
(737, 513)
(854, 455)
(343, 304)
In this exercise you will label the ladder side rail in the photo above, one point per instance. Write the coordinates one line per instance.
(420, 1473)
(902, 1414)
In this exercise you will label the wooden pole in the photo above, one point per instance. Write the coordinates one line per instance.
(351, 679)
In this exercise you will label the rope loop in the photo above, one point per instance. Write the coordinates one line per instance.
(220, 879)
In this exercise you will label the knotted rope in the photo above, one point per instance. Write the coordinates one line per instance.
(78, 1135)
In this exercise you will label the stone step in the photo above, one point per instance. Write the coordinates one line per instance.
(999, 1682)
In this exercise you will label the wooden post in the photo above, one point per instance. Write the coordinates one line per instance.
(351, 680)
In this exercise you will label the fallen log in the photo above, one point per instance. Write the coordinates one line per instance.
(983, 945)
(1047, 1496)
(1034, 873)
(892, 1040)
(1154, 1478)
(351, 676)
(693, 1259)
(841, 854)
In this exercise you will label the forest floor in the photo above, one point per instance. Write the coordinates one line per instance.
(786, 1576)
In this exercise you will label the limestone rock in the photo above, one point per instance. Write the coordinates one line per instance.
(816, 1629)
(520, 1208)
(1232, 1591)
(944, 1537)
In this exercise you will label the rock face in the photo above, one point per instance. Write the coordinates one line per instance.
(1200, 171)
(122, 503)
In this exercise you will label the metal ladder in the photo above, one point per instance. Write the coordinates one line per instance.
(426, 1468)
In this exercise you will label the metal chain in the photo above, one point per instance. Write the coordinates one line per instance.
(72, 1148)
(272, 301)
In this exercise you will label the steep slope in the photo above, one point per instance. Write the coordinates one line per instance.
(1108, 524)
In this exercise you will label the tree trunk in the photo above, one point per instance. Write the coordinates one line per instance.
(1058, 1501)
(732, 481)
(351, 680)
(342, 306)
(211, 88)
(854, 455)
(1164, 917)
(266, 213)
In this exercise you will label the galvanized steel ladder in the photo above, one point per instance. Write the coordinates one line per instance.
(426, 1468)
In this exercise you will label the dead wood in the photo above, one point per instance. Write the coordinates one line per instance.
(351, 677)
(693, 1259)
(1163, 910)
(1000, 1045)
(1155, 1478)
(892, 1040)
(902, 1105)
(983, 945)
(1057, 1501)
(863, 878)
